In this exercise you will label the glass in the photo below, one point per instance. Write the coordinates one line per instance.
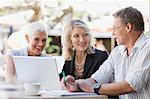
(115, 28)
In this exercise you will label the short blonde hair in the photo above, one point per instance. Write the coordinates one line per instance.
(68, 51)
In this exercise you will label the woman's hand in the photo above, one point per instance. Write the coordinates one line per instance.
(69, 83)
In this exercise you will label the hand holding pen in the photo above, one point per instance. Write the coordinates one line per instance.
(64, 77)
(69, 82)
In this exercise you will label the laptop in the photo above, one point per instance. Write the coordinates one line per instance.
(42, 70)
(37, 70)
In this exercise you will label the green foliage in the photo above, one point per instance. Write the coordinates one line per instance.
(52, 48)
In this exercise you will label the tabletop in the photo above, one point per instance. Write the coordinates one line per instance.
(8, 91)
(21, 95)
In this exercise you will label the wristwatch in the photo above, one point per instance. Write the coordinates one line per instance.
(96, 90)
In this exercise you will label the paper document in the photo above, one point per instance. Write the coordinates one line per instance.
(66, 93)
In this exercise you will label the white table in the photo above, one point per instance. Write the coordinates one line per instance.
(8, 91)
(21, 95)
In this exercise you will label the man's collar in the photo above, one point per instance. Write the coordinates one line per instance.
(139, 41)
(137, 44)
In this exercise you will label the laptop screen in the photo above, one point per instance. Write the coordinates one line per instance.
(38, 70)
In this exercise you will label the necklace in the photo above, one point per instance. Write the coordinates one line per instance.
(79, 65)
(79, 71)
(79, 68)
(82, 63)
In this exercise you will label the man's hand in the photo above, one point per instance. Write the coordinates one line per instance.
(85, 85)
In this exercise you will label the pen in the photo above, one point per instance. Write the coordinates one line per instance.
(64, 76)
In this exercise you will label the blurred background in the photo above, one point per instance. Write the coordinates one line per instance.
(15, 14)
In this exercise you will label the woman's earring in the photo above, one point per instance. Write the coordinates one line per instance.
(73, 48)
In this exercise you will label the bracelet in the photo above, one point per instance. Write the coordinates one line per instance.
(96, 90)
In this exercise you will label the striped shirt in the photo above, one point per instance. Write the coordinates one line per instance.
(135, 68)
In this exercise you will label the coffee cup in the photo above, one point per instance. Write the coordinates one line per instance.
(32, 88)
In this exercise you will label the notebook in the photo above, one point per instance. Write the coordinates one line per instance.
(37, 70)
(66, 93)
